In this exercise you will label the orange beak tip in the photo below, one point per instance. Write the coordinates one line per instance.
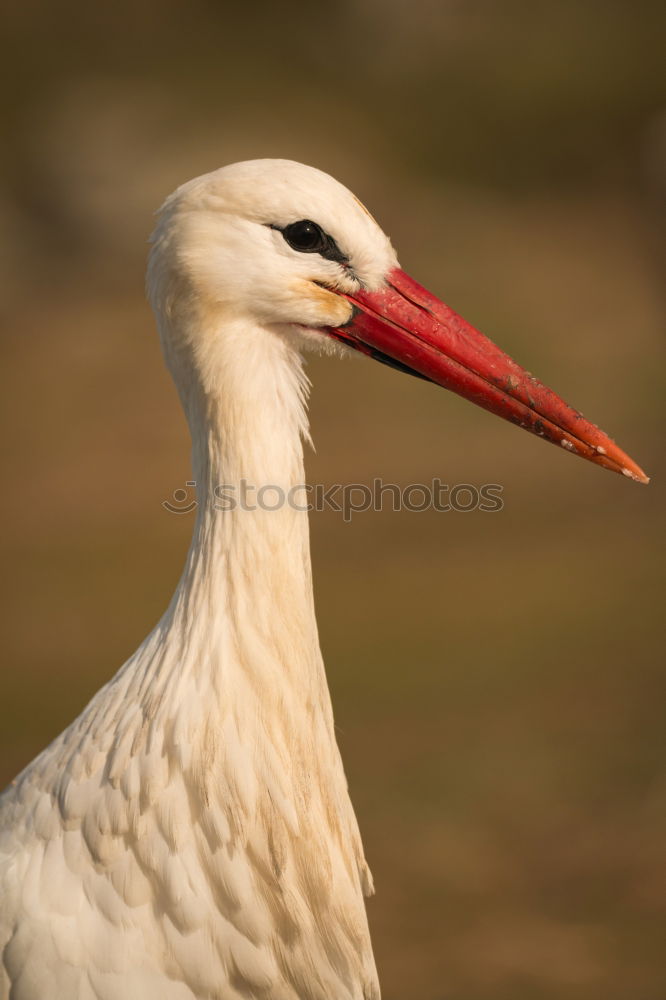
(638, 477)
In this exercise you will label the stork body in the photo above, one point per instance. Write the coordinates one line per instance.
(190, 835)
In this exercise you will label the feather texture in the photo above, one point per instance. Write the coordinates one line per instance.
(190, 835)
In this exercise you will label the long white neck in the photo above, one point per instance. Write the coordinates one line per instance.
(247, 579)
(241, 624)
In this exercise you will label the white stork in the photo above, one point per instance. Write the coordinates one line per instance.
(190, 834)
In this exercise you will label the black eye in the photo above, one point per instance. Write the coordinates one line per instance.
(305, 236)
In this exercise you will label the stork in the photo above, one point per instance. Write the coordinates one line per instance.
(190, 835)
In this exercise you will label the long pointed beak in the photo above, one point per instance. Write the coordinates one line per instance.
(404, 326)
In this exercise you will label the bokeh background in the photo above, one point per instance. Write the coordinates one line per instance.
(498, 679)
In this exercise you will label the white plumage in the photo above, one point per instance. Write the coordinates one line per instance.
(190, 835)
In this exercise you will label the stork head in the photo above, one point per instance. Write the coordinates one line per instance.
(286, 248)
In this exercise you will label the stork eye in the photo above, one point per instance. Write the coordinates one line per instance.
(305, 236)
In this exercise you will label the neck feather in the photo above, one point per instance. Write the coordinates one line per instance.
(243, 612)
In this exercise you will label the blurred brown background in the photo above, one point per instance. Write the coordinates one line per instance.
(497, 678)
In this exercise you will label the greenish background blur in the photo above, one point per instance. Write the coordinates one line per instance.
(497, 678)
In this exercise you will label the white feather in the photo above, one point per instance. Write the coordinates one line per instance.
(191, 834)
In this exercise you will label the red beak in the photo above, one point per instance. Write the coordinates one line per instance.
(404, 326)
